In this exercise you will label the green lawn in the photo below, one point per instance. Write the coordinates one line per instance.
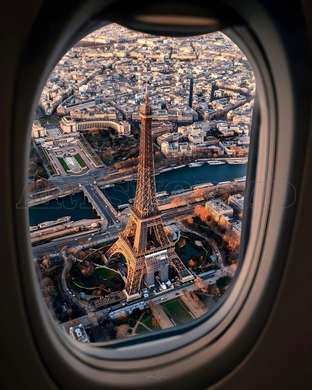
(146, 320)
(176, 310)
(80, 160)
(106, 273)
(49, 120)
(64, 165)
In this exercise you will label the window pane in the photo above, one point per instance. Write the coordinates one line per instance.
(137, 174)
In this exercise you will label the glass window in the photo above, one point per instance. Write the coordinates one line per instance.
(137, 176)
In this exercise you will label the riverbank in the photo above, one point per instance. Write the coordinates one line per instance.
(173, 181)
(176, 180)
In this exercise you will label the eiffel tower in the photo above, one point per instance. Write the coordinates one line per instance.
(144, 243)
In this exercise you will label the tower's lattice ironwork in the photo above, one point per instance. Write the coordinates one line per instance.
(144, 243)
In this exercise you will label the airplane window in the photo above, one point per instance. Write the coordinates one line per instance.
(137, 176)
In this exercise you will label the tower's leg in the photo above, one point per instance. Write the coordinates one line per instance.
(136, 270)
(184, 274)
(164, 274)
(149, 278)
(112, 250)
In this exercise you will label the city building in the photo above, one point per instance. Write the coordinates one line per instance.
(220, 212)
(237, 202)
(38, 131)
(70, 125)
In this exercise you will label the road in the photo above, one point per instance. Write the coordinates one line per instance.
(93, 238)
(79, 241)
(85, 179)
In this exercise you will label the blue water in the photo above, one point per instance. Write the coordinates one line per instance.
(78, 207)
(75, 206)
(177, 179)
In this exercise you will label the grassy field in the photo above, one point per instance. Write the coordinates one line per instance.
(80, 160)
(106, 273)
(147, 321)
(49, 120)
(177, 311)
(64, 165)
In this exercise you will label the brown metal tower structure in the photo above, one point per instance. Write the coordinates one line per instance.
(144, 243)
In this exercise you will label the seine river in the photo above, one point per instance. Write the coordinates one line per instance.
(78, 207)
(75, 206)
(177, 179)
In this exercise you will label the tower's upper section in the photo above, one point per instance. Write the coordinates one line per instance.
(145, 203)
(146, 108)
